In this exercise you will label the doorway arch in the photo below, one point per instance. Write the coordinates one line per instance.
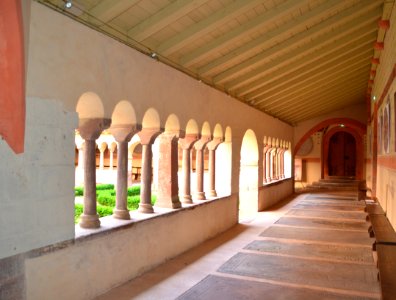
(248, 177)
(343, 153)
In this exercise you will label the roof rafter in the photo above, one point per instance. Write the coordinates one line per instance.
(244, 29)
(304, 74)
(349, 64)
(106, 10)
(162, 18)
(206, 25)
(266, 38)
(325, 39)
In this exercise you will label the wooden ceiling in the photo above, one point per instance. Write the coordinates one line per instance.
(293, 59)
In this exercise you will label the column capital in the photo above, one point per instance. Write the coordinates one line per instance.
(124, 132)
(188, 140)
(201, 143)
(90, 129)
(148, 135)
(213, 144)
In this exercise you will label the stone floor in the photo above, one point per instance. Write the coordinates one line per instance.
(312, 246)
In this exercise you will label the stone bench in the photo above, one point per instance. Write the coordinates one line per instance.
(382, 230)
(373, 209)
(386, 270)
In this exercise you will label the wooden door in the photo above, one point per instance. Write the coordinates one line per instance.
(342, 155)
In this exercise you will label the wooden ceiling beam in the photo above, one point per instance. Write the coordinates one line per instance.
(320, 61)
(337, 78)
(319, 93)
(205, 26)
(323, 71)
(242, 30)
(163, 18)
(337, 104)
(282, 72)
(321, 99)
(266, 38)
(315, 32)
(298, 53)
(107, 10)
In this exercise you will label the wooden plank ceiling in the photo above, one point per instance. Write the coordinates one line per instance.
(293, 59)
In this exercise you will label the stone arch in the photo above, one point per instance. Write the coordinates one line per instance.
(192, 127)
(248, 177)
(90, 106)
(123, 114)
(151, 119)
(356, 125)
(205, 131)
(218, 131)
(172, 123)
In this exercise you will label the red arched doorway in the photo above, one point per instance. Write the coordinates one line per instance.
(342, 155)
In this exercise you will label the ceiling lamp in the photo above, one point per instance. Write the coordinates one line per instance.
(68, 4)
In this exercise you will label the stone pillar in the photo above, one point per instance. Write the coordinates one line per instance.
(269, 165)
(112, 149)
(90, 130)
(200, 148)
(186, 144)
(147, 137)
(274, 164)
(168, 184)
(102, 147)
(265, 163)
(122, 134)
(212, 146)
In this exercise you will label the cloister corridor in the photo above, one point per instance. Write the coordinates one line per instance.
(309, 246)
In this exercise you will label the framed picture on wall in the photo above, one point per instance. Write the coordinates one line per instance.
(386, 127)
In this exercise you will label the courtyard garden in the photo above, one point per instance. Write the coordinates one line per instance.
(106, 199)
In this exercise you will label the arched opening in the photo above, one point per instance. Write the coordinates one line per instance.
(248, 177)
(342, 154)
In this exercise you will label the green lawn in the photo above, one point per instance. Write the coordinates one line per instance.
(105, 196)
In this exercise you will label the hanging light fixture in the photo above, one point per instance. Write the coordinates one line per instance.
(68, 4)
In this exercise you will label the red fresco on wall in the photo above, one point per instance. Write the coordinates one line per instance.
(12, 75)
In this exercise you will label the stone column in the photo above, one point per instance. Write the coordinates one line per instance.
(102, 147)
(112, 149)
(168, 184)
(265, 163)
(269, 165)
(186, 144)
(274, 165)
(147, 137)
(122, 134)
(212, 147)
(200, 148)
(90, 130)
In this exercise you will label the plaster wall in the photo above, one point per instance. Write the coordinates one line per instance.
(384, 89)
(37, 186)
(81, 270)
(275, 192)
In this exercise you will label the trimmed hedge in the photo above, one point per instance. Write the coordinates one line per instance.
(106, 198)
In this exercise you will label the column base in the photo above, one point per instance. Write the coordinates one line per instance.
(212, 193)
(121, 214)
(187, 199)
(89, 221)
(200, 196)
(145, 208)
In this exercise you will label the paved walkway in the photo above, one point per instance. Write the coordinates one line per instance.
(312, 246)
